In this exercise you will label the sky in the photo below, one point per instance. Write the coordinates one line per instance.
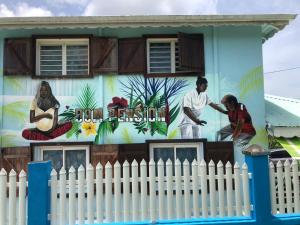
(280, 53)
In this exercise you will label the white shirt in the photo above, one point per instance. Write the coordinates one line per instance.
(196, 102)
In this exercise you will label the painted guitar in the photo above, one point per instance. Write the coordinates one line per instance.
(45, 124)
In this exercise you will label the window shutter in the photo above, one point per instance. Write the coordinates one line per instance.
(15, 158)
(191, 52)
(18, 56)
(132, 56)
(104, 55)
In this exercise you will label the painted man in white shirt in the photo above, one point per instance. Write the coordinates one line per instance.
(193, 104)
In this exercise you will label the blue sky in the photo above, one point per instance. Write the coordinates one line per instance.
(280, 52)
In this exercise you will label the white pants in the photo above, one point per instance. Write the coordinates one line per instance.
(189, 131)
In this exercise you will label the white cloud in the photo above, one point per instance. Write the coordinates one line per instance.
(67, 2)
(23, 10)
(149, 7)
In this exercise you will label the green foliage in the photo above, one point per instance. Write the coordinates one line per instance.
(68, 115)
(174, 113)
(87, 99)
(106, 127)
(260, 137)
(273, 142)
(251, 82)
(74, 130)
(173, 134)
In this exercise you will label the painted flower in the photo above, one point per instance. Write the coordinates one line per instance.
(118, 102)
(89, 128)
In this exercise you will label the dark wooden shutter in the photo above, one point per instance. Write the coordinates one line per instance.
(18, 56)
(219, 151)
(132, 56)
(104, 154)
(191, 52)
(104, 55)
(132, 152)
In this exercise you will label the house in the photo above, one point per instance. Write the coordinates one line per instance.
(93, 72)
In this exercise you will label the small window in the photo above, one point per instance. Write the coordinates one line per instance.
(162, 55)
(66, 156)
(62, 57)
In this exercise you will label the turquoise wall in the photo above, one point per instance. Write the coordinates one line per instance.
(233, 64)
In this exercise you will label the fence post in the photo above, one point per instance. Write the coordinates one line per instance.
(257, 160)
(38, 193)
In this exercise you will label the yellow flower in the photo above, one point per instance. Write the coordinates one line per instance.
(89, 128)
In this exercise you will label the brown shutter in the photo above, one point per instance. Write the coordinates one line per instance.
(104, 154)
(132, 152)
(104, 55)
(132, 56)
(191, 52)
(18, 56)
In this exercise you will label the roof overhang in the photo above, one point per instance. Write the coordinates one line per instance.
(270, 23)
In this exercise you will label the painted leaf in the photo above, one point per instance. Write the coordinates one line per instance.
(74, 130)
(126, 136)
(87, 99)
(174, 113)
(173, 134)
(251, 82)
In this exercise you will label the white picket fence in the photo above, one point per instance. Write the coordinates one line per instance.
(139, 197)
(284, 184)
(13, 209)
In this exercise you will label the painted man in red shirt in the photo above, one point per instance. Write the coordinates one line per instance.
(240, 127)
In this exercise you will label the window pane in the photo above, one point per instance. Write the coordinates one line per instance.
(56, 158)
(160, 58)
(189, 153)
(75, 158)
(77, 59)
(51, 60)
(164, 154)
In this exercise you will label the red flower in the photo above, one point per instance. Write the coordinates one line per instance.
(118, 103)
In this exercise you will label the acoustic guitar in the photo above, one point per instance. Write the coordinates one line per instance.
(44, 124)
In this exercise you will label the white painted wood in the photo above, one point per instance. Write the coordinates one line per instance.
(221, 192)
(186, 182)
(143, 167)
(203, 179)
(53, 176)
(246, 192)
(237, 186)
(280, 187)
(229, 189)
(62, 196)
(126, 191)
(178, 188)
(169, 173)
(272, 187)
(22, 198)
(12, 198)
(212, 188)
(90, 193)
(295, 180)
(117, 191)
(161, 208)
(288, 186)
(135, 191)
(108, 193)
(99, 192)
(81, 191)
(72, 187)
(152, 186)
(195, 185)
(3, 202)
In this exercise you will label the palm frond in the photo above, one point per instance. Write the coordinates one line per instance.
(87, 100)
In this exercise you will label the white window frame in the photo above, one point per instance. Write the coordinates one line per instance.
(63, 42)
(65, 148)
(162, 40)
(197, 145)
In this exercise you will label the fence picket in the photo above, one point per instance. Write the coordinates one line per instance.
(3, 203)
(117, 190)
(53, 176)
(221, 193)
(160, 168)
(152, 186)
(169, 173)
(203, 178)
(72, 206)
(108, 192)
(296, 185)
(237, 187)
(90, 193)
(178, 189)
(246, 193)
(22, 198)
(195, 184)
(186, 176)
(12, 198)
(135, 190)
(272, 187)
(99, 192)
(62, 196)
(229, 189)
(143, 167)
(280, 187)
(126, 191)
(288, 187)
(212, 188)
(81, 191)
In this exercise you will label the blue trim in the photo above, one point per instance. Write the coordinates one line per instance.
(286, 219)
(38, 193)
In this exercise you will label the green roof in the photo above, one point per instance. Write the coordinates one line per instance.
(282, 112)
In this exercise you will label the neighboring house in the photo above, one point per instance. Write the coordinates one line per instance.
(97, 63)
(283, 123)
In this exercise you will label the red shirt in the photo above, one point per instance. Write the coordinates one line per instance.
(241, 113)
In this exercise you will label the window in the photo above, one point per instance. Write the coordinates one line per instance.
(66, 156)
(62, 57)
(173, 151)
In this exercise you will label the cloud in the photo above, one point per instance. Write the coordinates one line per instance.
(150, 7)
(58, 3)
(23, 10)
